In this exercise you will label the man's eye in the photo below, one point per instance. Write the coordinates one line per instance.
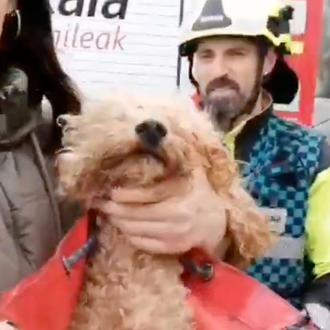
(237, 53)
(205, 55)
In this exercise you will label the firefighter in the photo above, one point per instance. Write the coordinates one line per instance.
(236, 52)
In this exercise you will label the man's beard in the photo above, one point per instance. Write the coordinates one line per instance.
(224, 110)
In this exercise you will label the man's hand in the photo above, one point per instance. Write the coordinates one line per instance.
(7, 326)
(170, 218)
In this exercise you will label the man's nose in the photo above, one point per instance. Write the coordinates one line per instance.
(151, 133)
(220, 66)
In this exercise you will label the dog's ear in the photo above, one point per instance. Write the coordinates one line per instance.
(248, 229)
(221, 168)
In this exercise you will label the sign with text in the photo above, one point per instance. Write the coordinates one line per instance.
(120, 43)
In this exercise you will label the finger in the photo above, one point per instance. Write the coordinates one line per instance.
(6, 325)
(155, 246)
(160, 230)
(164, 190)
(151, 212)
(157, 193)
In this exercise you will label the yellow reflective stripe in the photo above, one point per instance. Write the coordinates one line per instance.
(318, 224)
(276, 11)
(277, 8)
(230, 137)
(297, 47)
(272, 38)
(229, 141)
(293, 47)
(284, 39)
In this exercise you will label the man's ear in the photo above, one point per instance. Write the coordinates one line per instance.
(270, 61)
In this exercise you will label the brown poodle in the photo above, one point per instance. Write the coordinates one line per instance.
(133, 141)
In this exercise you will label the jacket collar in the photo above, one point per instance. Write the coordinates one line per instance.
(247, 128)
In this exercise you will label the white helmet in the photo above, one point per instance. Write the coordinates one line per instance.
(250, 18)
(269, 19)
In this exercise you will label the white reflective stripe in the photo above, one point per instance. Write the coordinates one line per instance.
(320, 315)
(288, 248)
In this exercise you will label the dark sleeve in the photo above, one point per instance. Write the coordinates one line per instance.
(317, 302)
(319, 291)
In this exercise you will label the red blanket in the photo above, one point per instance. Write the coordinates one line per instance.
(231, 300)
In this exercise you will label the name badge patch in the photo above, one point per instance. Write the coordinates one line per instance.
(277, 217)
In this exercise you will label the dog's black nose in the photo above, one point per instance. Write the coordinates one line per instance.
(151, 133)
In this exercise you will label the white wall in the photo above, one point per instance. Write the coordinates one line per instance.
(139, 51)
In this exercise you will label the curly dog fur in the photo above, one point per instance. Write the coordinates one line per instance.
(126, 289)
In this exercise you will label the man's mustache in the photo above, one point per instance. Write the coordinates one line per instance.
(221, 82)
